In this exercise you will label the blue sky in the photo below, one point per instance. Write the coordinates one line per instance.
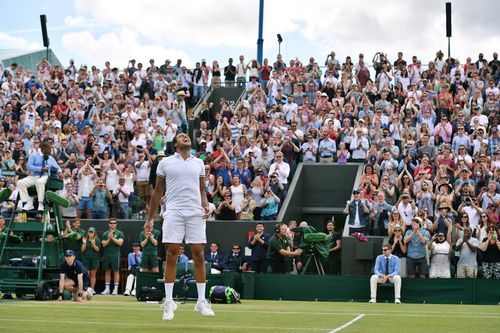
(93, 31)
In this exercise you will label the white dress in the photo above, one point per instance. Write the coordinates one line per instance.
(440, 262)
(237, 197)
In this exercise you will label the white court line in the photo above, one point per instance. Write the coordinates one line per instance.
(399, 313)
(349, 323)
(162, 324)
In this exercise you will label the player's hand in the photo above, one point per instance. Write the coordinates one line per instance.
(206, 212)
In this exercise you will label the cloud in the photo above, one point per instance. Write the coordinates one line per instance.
(118, 47)
(75, 21)
(309, 29)
(10, 42)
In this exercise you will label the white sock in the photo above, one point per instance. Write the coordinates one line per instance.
(201, 290)
(116, 287)
(169, 290)
(107, 285)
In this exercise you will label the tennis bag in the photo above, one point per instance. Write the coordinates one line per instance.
(223, 294)
(149, 294)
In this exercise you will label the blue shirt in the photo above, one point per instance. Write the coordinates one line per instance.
(37, 161)
(134, 261)
(416, 250)
(380, 265)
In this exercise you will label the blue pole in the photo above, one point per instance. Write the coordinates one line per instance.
(260, 41)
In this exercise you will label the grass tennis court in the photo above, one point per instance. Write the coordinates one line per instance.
(121, 314)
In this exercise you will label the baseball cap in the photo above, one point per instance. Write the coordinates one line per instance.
(69, 253)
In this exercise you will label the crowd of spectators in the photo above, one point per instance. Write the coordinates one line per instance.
(428, 136)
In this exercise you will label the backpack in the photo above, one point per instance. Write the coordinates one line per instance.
(149, 294)
(223, 294)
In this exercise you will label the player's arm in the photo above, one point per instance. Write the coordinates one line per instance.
(156, 198)
(204, 200)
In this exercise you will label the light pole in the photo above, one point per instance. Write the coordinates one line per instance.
(279, 43)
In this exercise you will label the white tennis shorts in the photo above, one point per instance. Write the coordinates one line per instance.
(178, 227)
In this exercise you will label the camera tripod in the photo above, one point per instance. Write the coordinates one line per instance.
(313, 255)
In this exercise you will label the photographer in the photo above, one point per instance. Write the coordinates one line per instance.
(473, 211)
(279, 253)
(226, 210)
(101, 198)
(270, 204)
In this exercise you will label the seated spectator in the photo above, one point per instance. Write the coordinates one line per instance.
(214, 257)
(134, 264)
(181, 257)
(234, 261)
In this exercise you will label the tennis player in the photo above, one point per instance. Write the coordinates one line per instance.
(182, 178)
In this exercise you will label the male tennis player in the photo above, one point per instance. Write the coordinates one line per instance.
(181, 178)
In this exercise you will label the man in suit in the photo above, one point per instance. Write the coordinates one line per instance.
(214, 256)
(386, 269)
(234, 261)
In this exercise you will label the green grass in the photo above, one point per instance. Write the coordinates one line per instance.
(124, 314)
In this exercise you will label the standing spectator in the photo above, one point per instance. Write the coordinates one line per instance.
(281, 167)
(91, 245)
(259, 243)
(112, 240)
(86, 183)
(440, 248)
(333, 264)
(67, 192)
(101, 198)
(386, 269)
(241, 72)
(416, 240)
(359, 146)
(407, 209)
(247, 207)
(398, 247)
(149, 242)
(143, 169)
(358, 210)
(230, 73)
(491, 254)
(134, 260)
(226, 209)
(327, 148)
(467, 247)
(122, 193)
(270, 204)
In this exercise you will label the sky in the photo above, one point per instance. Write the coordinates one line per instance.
(94, 31)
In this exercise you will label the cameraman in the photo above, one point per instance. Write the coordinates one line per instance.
(279, 253)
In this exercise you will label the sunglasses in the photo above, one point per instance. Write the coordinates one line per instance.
(112, 223)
